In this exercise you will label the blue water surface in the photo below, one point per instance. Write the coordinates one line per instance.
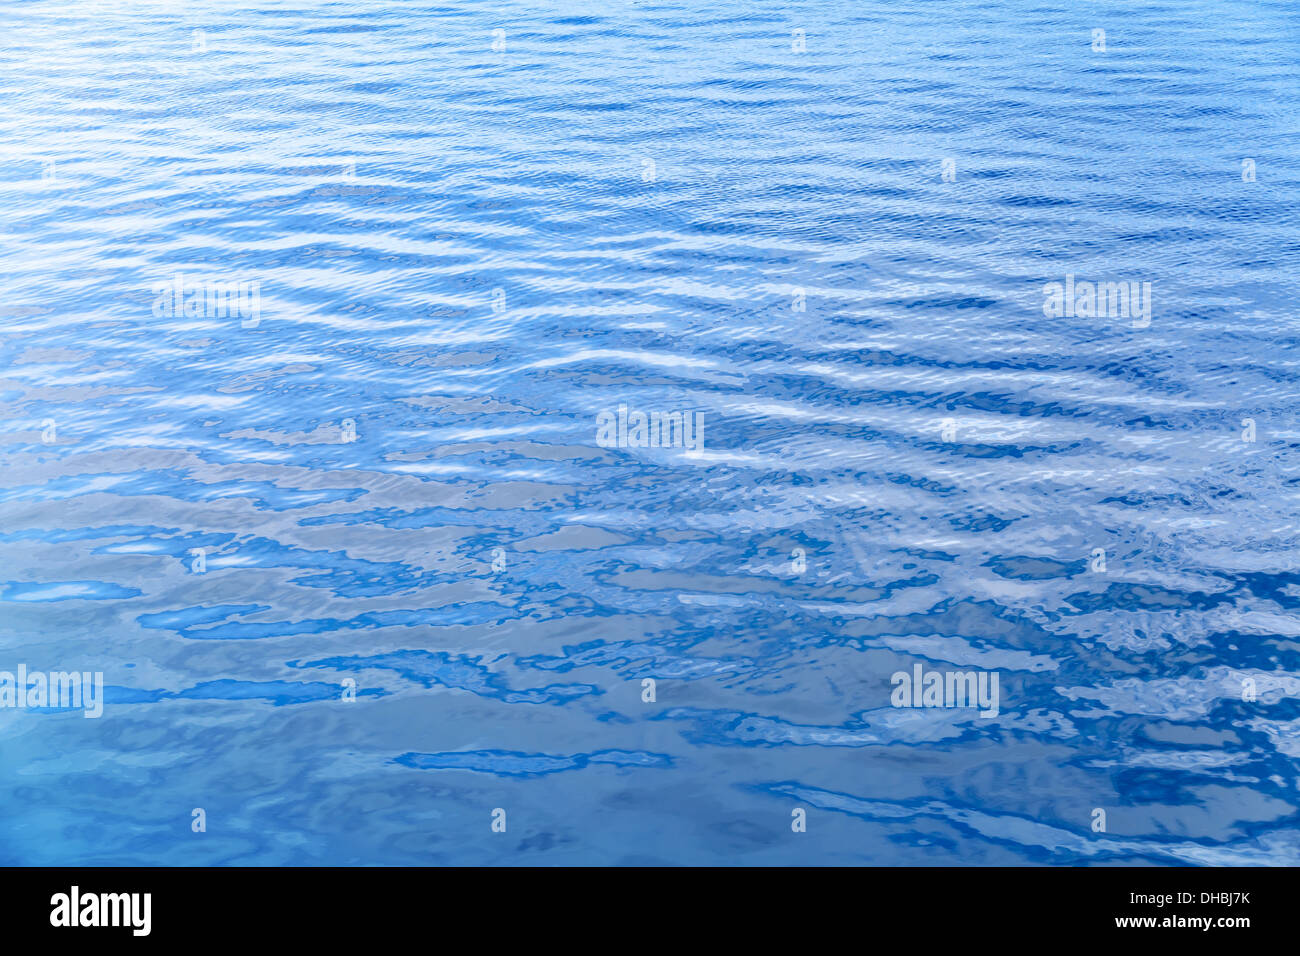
(468, 244)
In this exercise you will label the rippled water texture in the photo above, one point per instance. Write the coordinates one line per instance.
(379, 471)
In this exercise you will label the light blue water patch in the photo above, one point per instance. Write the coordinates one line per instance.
(65, 591)
(527, 765)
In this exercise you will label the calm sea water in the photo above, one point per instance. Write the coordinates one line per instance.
(825, 229)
